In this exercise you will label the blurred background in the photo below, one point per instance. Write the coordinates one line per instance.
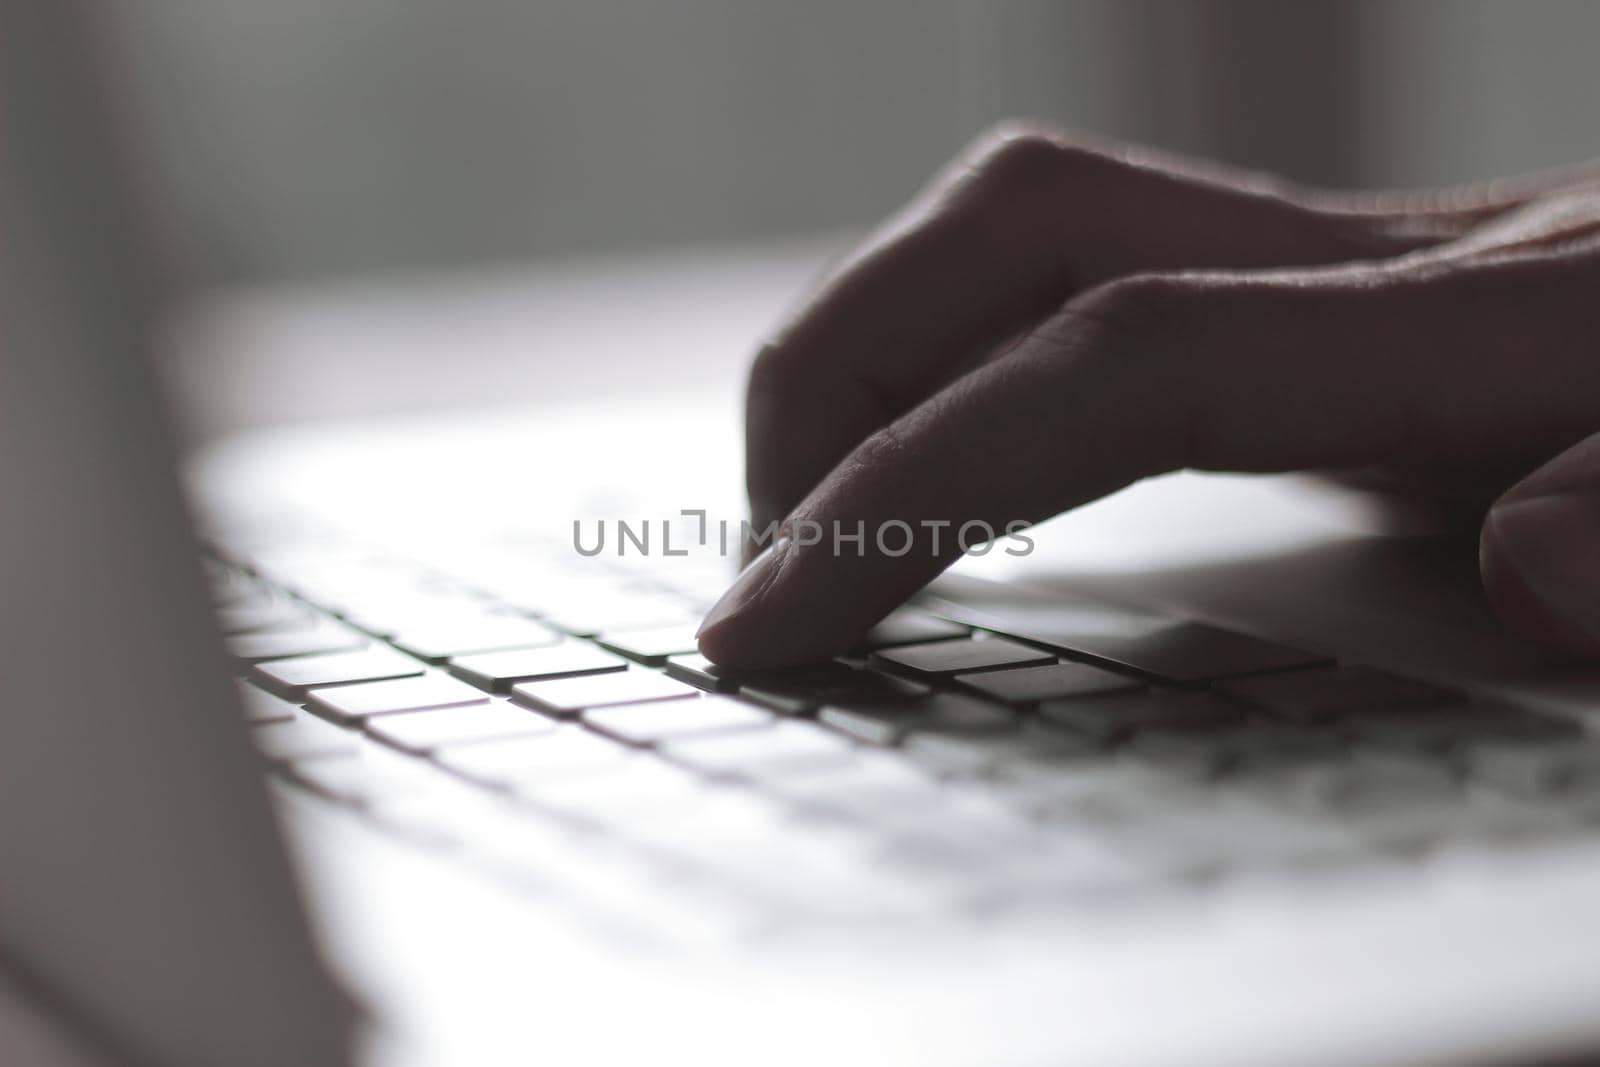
(311, 142)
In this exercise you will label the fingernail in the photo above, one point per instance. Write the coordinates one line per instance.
(1552, 546)
(747, 587)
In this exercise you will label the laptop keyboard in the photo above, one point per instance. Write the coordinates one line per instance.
(1091, 757)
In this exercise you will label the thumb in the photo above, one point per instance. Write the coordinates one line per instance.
(1540, 552)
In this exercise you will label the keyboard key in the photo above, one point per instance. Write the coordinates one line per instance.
(432, 690)
(440, 640)
(617, 788)
(375, 775)
(1366, 785)
(587, 616)
(281, 644)
(1115, 716)
(292, 677)
(876, 789)
(1187, 749)
(1013, 753)
(954, 713)
(1537, 768)
(694, 669)
(561, 753)
(654, 645)
(262, 706)
(644, 724)
(498, 671)
(782, 749)
(422, 731)
(796, 693)
(567, 696)
(942, 658)
(303, 737)
(255, 616)
(909, 626)
(1322, 693)
(885, 723)
(1373, 785)
(883, 726)
(1440, 725)
(337, 779)
(1028, 685)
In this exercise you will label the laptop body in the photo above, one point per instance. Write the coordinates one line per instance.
(149, 900)
(149, 896)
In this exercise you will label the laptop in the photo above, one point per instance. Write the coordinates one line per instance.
(362, 752)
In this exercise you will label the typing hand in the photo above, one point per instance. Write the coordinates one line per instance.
(1052, 321)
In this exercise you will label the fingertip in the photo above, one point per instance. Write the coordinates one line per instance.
(1519, 568)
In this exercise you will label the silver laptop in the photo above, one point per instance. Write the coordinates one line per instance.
(1255, 787)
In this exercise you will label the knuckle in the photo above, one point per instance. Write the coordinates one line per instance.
(1140, 306)
(1016, 159)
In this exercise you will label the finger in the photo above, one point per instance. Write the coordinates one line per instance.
(1419, 362)
(1540, 552)
(1012, 229)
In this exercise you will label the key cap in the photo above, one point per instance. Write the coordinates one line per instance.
(955, 713)
(872, 788)
(1369, 784)
(943, 658)
(1111, 717)
(303, 737)
(872, 727)
(837, 685)
(1189, 749)
(282, 644)
(885, 724)
(337, 779)
(645, 724)
(423, 731)
(1436, 726)
(909, 626)
(623, 789)
(432, 690)
(567, 696)
(588, 616)
(654, 645)
(1028, 685)
(441, 640)
(498, 671)
(394, 611)
(262, 706)
(784, 748)
(1019, 753)
(292, 677)
(1533, 769)
(271, 614)
(1321, 693)
(562, 752)
(375, 775)
(232, 587)
(696, 670)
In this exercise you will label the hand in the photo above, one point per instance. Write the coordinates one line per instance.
(1051, 321)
